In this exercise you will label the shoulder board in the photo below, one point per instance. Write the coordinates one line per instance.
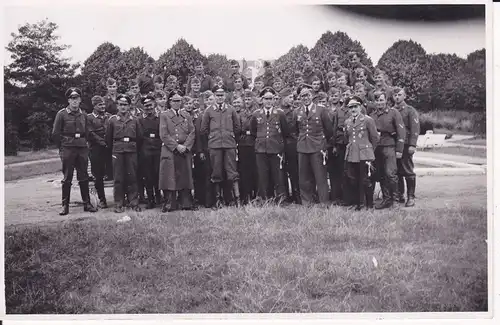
(113, 116)
(279, 109)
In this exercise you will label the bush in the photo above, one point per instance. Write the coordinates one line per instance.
(426, 123)
(11, 140)
(39, 130)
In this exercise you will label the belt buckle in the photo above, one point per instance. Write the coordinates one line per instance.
(77, 135)
(152, 135)
(126, 139)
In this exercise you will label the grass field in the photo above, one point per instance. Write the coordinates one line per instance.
(457, 121)
(23, 156)
(15, 172)
(256, 259)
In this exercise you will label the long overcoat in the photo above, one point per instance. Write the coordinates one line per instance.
(176, 168)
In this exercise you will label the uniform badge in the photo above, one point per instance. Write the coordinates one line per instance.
(259, 119)
(360, 135)
(299, 117)
(401, 126)
(416, 120)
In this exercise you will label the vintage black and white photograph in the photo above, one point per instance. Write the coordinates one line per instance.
(245, 159)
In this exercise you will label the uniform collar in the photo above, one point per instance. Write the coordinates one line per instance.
(127, 116)
(70, 111)
(270, 110)
(97, 115)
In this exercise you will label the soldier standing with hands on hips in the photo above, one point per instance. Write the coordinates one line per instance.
(362, 138)
(70, 132)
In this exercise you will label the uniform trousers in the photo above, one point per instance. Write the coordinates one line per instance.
(312, 176)
(247, 168)
(268, 171)
(74, 158)
(222, 159)
(125, 178)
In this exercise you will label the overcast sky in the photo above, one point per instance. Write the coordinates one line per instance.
(249, 32)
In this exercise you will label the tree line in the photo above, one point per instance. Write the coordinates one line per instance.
(38, 75)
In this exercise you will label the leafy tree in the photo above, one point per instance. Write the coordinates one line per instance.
(288, 63)
(441, 68)
(405, 62)
(218, 65)
(37, 76)
(100, 65)
(341, 44)
(39, 130)
(179, 61)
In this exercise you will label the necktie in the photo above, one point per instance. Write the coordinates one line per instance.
(267, 114)
(220, 107)
(307, 110)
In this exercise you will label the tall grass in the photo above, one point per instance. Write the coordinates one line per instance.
(254, 259)
(474, 122)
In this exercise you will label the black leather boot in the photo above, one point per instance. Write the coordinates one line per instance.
(411, 183)
(236, 193)
(84, 190)
(401, 188)
(99, 187)
(369, 195)
(66, 192)
(219, 203)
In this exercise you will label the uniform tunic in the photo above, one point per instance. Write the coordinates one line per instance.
(291, 167)
(150, 151)
(98, 149)
(270, 133)
(201, 173)
(207, 83)
(123, 136)
(247, 163)
(362, 137)
(314, 131)
(176, 168)
(392, 137)
(412, 126)
(70, 133)
(221, 124)
(110, 103)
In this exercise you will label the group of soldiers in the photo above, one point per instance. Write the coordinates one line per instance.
(322, 139)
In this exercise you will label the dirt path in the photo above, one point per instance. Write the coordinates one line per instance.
(37, 200)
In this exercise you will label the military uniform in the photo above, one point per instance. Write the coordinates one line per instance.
(392, 137)
(150, 155)
(247, 162)
(338, 168)
(314, 131)
(176, 128)
(110, 103)
(203, 191)
(352, 74)
(229, 83)
(206, 82)
(221, 124)
(405, 164)
(123, 135)
(98, 151)
(270, 128)
(291, 166)
(146, 83)
(309, 75)
(70, 133)
(362, 138)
